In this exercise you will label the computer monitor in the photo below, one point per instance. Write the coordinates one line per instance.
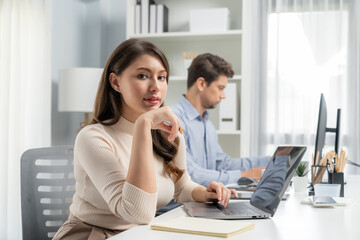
(322, 129)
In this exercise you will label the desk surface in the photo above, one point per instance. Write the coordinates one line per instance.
(292, 220)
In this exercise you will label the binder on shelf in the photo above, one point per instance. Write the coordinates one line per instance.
(137, 19)
(145, 10)
(153, 18)
(228, 107)
(162, 18)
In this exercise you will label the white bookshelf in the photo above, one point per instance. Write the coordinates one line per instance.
(183, 78)
(189, 36)
(226, 44)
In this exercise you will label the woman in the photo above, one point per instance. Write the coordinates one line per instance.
(127, 162)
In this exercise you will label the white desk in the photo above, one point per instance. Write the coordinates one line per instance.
(292, 220)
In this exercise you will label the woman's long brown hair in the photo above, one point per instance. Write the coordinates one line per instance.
(108, 105)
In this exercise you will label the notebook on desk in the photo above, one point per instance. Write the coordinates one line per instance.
(266, 197)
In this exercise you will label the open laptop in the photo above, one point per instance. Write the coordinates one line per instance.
(266, 197)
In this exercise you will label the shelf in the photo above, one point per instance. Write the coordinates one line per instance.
(228, 132)
(183, 78)
(190, 36)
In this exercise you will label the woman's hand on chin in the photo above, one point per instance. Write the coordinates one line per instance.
(157, 118)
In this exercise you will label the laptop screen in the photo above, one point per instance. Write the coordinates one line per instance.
(276, 178)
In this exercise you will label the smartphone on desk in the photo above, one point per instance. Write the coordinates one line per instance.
(320, 201)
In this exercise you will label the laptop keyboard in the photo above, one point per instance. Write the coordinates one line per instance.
(240, 209)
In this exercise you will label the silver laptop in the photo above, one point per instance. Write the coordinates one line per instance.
(266, 197)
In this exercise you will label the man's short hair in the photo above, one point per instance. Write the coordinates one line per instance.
(209, 67)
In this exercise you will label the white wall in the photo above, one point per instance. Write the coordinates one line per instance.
(113, 26)
(84, 33)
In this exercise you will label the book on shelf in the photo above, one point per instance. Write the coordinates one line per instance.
(145, 12)
(162, 20)
(204, 226)
(137, 19)
(152, 18)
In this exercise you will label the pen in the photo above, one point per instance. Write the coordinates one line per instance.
(169, 124)
(329, 167)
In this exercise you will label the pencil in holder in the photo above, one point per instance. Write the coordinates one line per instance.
(337, 178)
(317, 173)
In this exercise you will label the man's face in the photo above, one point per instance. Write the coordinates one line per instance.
(214, 92)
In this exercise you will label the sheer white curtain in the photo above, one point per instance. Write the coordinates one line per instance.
(352, 137)
(25, 89)
(305, 47)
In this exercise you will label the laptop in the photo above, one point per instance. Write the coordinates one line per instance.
(248, 194)
(266, 197)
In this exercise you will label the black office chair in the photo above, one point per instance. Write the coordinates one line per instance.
(47, 187)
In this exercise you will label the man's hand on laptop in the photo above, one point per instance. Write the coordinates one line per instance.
(253, 173)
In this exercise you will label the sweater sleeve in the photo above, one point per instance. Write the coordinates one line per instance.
(137, 205)
(184, 186)
(96, 155)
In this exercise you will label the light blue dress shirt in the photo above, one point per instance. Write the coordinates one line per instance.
(206, 161)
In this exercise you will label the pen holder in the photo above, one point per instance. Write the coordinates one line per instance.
(337, 178)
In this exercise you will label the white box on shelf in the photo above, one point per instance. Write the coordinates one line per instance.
(209, 20)
(227, 111)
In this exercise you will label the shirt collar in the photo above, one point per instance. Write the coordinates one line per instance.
(191, 113)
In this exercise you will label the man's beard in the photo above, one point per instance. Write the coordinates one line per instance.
(211, 106)
(208, 105)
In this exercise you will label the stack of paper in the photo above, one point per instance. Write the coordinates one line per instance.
(204, 226)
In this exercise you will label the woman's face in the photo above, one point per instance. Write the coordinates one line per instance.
(142, 85)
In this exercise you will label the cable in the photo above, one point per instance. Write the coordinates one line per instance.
(353, 163)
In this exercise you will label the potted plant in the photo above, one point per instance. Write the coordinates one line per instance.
(300, 179)
(301, 169)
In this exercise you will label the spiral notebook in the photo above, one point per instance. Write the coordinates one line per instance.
(204, 226)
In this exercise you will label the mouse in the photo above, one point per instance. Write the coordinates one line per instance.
(247, 181)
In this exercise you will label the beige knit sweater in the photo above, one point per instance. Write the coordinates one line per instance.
(102, 197)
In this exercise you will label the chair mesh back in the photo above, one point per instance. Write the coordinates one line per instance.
(47, 187)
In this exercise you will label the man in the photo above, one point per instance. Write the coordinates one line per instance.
(207, 78)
